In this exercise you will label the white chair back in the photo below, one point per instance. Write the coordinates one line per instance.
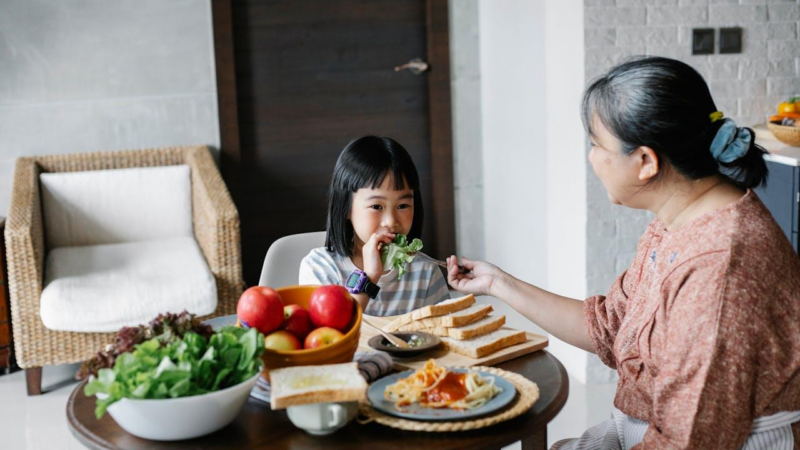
(282, 263)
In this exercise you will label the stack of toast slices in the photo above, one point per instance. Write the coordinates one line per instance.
(465, 327)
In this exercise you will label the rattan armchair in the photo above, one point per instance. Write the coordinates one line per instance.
(216, 229)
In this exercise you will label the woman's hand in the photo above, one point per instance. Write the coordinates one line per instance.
(480, 279)
(371, 253)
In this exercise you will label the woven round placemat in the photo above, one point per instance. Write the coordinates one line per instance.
(527, 394)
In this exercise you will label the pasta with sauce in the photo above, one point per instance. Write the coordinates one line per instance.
(435, 387)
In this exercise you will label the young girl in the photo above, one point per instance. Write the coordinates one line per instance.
(374, 196)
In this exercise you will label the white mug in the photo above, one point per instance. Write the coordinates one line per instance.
(322, 418)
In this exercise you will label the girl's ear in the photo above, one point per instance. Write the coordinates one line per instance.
(649, 165)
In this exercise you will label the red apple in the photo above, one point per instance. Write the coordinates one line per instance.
(261, 308)
(331, 306)
(282, 340)
(322, 337)
(296, 321)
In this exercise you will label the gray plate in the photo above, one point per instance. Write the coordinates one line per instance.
(417, 412)
(380, 343)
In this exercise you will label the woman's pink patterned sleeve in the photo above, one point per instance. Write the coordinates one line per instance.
(603, 316)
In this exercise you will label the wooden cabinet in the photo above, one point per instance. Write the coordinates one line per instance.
(6, 348)
(781, 196)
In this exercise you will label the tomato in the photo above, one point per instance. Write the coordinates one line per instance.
(787, 107)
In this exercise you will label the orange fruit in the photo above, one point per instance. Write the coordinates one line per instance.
(787, 108)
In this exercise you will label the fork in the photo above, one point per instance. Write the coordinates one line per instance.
(461, 269)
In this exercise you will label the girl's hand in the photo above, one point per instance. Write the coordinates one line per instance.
(371, 253)
(478, 281)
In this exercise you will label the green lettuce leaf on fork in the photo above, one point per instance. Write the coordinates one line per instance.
(398, 253)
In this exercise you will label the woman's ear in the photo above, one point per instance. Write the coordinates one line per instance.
(648, 163)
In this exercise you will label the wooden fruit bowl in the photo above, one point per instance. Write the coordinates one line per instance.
(338, 352)
(787, 134)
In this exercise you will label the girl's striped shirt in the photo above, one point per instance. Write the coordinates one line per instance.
(421, 285)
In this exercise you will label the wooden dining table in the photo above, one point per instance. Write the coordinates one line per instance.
(259, 427)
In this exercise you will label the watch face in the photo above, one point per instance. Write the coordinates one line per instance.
(352, 281)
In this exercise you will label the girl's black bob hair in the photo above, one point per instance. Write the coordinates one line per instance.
(365, 163)
(665, 104)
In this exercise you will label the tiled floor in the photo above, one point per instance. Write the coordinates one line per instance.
(39, 423)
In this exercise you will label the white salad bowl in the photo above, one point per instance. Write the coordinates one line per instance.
(184, 417)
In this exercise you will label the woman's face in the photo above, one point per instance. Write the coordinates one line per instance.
(622, 175)
(383, 207)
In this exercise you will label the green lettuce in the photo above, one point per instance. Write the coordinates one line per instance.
(398, 253)
(171, 367)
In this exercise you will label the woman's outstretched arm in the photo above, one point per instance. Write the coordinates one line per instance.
(560, 316)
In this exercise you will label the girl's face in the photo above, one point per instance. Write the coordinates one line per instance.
(623, 176)
(383, 207)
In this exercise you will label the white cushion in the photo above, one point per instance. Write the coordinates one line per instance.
(105, 287)
(112, 206)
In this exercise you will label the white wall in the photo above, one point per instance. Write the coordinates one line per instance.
(98, 75)
(465, 87)
(566, 165)
(534, 161)
(514, 118)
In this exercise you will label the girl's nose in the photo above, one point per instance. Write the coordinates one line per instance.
(389, 220)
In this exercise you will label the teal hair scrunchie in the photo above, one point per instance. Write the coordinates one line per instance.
(731, 142)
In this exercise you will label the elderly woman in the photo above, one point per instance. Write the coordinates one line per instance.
(704, 326)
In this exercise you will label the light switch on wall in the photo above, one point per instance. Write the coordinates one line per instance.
(702, 41)
(730, 40)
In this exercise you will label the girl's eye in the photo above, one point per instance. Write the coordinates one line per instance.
(404, 206)
(376, 207)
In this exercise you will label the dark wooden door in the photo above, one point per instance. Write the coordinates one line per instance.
(312, 75)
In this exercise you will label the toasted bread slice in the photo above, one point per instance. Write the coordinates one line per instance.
(456, 319)
(487, 344)
(478, 328)
(301, 385)
(439, 309)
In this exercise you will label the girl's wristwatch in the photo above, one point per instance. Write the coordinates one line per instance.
(359, 282)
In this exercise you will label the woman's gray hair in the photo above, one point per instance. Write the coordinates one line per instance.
(665, 104)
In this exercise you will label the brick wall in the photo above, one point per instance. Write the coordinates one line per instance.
(746, 87)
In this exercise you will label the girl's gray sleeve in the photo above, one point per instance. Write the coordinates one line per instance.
(437, 287)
